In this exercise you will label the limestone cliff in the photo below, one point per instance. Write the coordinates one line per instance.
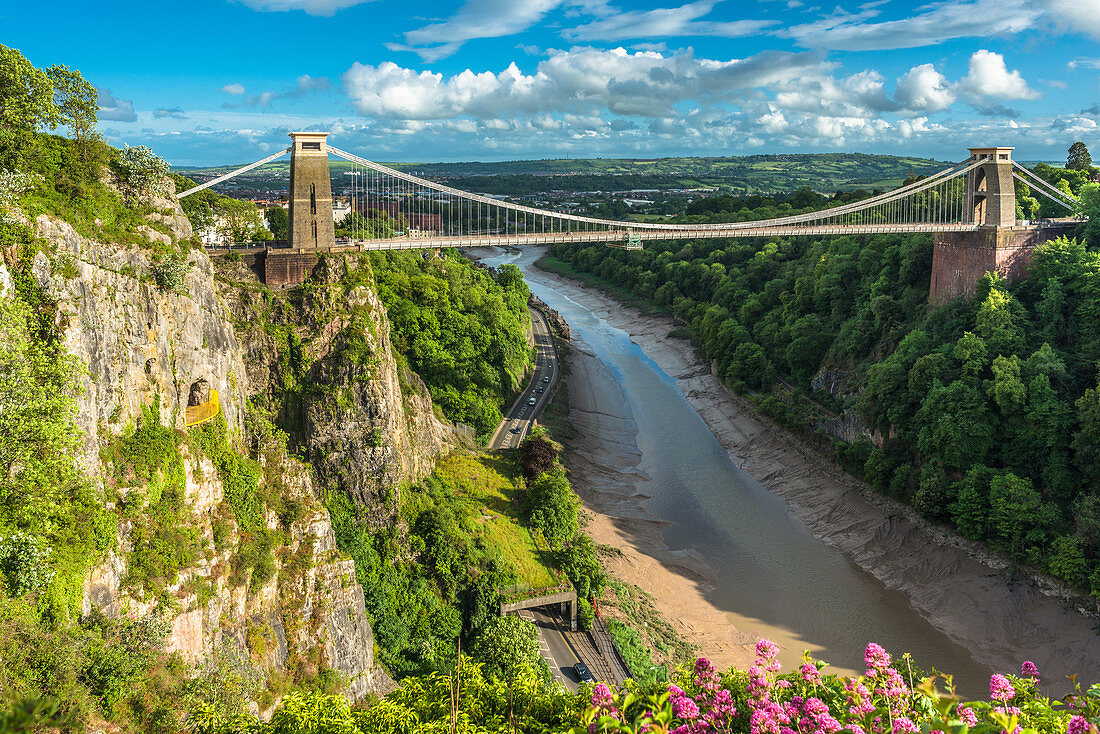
(146, 345)
(320, 358)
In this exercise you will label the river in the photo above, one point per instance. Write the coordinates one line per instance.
(767, 572)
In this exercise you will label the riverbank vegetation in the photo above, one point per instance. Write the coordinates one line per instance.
(982, 414)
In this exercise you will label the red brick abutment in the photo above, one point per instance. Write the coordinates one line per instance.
(960, 259)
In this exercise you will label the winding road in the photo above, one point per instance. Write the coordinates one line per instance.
(527, 407)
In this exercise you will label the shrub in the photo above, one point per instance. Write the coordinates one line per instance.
(14, 184)
(171, 272)
(585, 614)
(24, 563)
(538, 455)
(141, 172)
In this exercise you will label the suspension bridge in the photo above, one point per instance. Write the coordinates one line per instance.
(969, 208)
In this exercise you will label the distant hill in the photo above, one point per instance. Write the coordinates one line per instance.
(823, 172)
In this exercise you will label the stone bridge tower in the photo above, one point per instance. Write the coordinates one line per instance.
(990, 190)
(1000, 245)
(311, 225)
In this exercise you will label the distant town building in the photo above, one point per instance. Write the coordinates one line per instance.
(340, 209)
(216, 234)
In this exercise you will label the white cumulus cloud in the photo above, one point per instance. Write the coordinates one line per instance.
(989, 79)
(923, 89)
(643, 83)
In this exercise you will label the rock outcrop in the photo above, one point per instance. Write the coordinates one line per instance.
(555, 319)
(365, 422)
(848, 425)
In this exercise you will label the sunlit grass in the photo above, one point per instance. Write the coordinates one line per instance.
(488, 484)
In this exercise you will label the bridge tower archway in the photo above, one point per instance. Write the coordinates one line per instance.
(978, 197)
(990, 188)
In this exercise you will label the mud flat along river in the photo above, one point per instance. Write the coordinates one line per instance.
(740, 535)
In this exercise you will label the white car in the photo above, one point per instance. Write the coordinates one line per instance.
(530, 401)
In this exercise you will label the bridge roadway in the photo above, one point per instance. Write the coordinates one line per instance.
(644, 235)
(521, 417)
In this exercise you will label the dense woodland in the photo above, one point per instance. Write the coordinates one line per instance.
(462, 330)
(985, 414)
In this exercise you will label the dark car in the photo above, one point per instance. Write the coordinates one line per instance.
(582, 673)
(513, 430)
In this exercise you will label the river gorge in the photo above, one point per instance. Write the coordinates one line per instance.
(739, 535)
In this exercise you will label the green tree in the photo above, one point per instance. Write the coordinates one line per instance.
(278, 221)
(553, 507)
(77, 101)
(39, 439)
(26, 104)
(239, 220)
(1089, 206)
(956, 425)
(999, 319)
(506, 645)
(141, 172)
(1086, 441)
(1067, 562)
(580, 563)
(1079, 158)
(971, 352)
(970, 510)
(1014, 505)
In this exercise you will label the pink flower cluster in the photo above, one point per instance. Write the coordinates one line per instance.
(805, 702)
(1000, 689)
(710, 708)
(1079, 725)
(803, 714)
(604, 700)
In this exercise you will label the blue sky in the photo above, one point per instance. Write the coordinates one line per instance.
(221, 81)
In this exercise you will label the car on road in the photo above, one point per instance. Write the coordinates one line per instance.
(546, 378)
(514, 429)
(583, 675)
(531, 401)
(540, 388)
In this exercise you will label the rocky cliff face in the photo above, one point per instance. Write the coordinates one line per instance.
(371, 427)
(321, 358)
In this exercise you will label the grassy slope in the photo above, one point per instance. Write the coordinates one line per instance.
(486, 484)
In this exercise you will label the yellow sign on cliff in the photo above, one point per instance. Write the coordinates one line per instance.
(197, 414)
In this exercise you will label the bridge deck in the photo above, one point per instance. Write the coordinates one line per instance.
(616, 236)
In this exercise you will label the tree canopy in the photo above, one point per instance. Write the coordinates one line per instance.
(33, 99)
(1079, 158)
(462, 330)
